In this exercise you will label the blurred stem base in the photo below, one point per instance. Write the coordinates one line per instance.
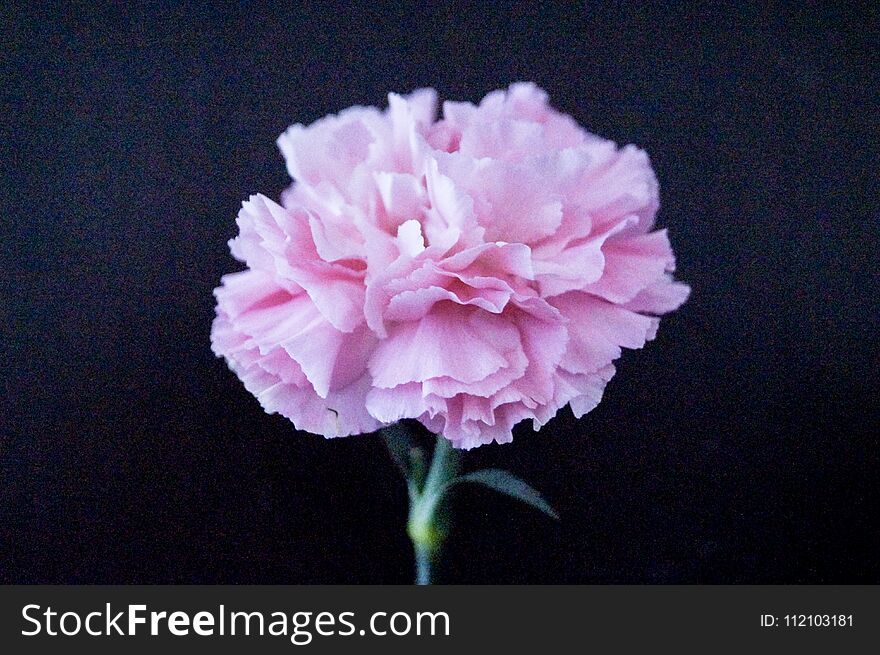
(424, 564)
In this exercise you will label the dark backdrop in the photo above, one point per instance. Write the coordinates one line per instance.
(741, 446)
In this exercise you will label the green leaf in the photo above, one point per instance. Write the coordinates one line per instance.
(400, 443)
(507, 483)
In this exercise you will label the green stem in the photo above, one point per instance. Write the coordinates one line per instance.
(427, 524)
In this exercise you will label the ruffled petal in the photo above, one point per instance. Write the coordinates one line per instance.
(663, 296)
(284, 237)
(598, 330)
(343, 413)
(330, 149)
(462, 345)
(290, 357)
(632, 264)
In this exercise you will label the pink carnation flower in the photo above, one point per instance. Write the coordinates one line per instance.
(469, 272)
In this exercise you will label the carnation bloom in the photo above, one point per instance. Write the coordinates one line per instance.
(468, 272)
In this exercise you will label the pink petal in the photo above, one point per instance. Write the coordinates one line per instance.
(661, 297)
(285, 235)
(598, 330)
(329, 358)
(462, 345)
(340, 414)
(632, 263)
(403, 401)
(624, 184)
(331, 148)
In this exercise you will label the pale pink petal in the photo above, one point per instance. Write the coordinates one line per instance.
(403, 198)
(329, 150)
(661, 297)
(579, 264)
(286, 236)
(402, 401)
(544, 337)
(451, 212)
(257, 343)
(501, 260)
(329, 358)
(462, 345)
(412, 305)
(598, 330)
(337, 241)
(583, 392)
(341, 414)
(241, 291)
(622, 185)
(410, 240)
(632, 263)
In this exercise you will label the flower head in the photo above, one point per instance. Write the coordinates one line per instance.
(469, 272)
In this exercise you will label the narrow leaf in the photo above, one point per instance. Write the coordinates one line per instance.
(507, 483)
(400, 442)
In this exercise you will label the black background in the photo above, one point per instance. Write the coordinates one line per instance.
(741, 446)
